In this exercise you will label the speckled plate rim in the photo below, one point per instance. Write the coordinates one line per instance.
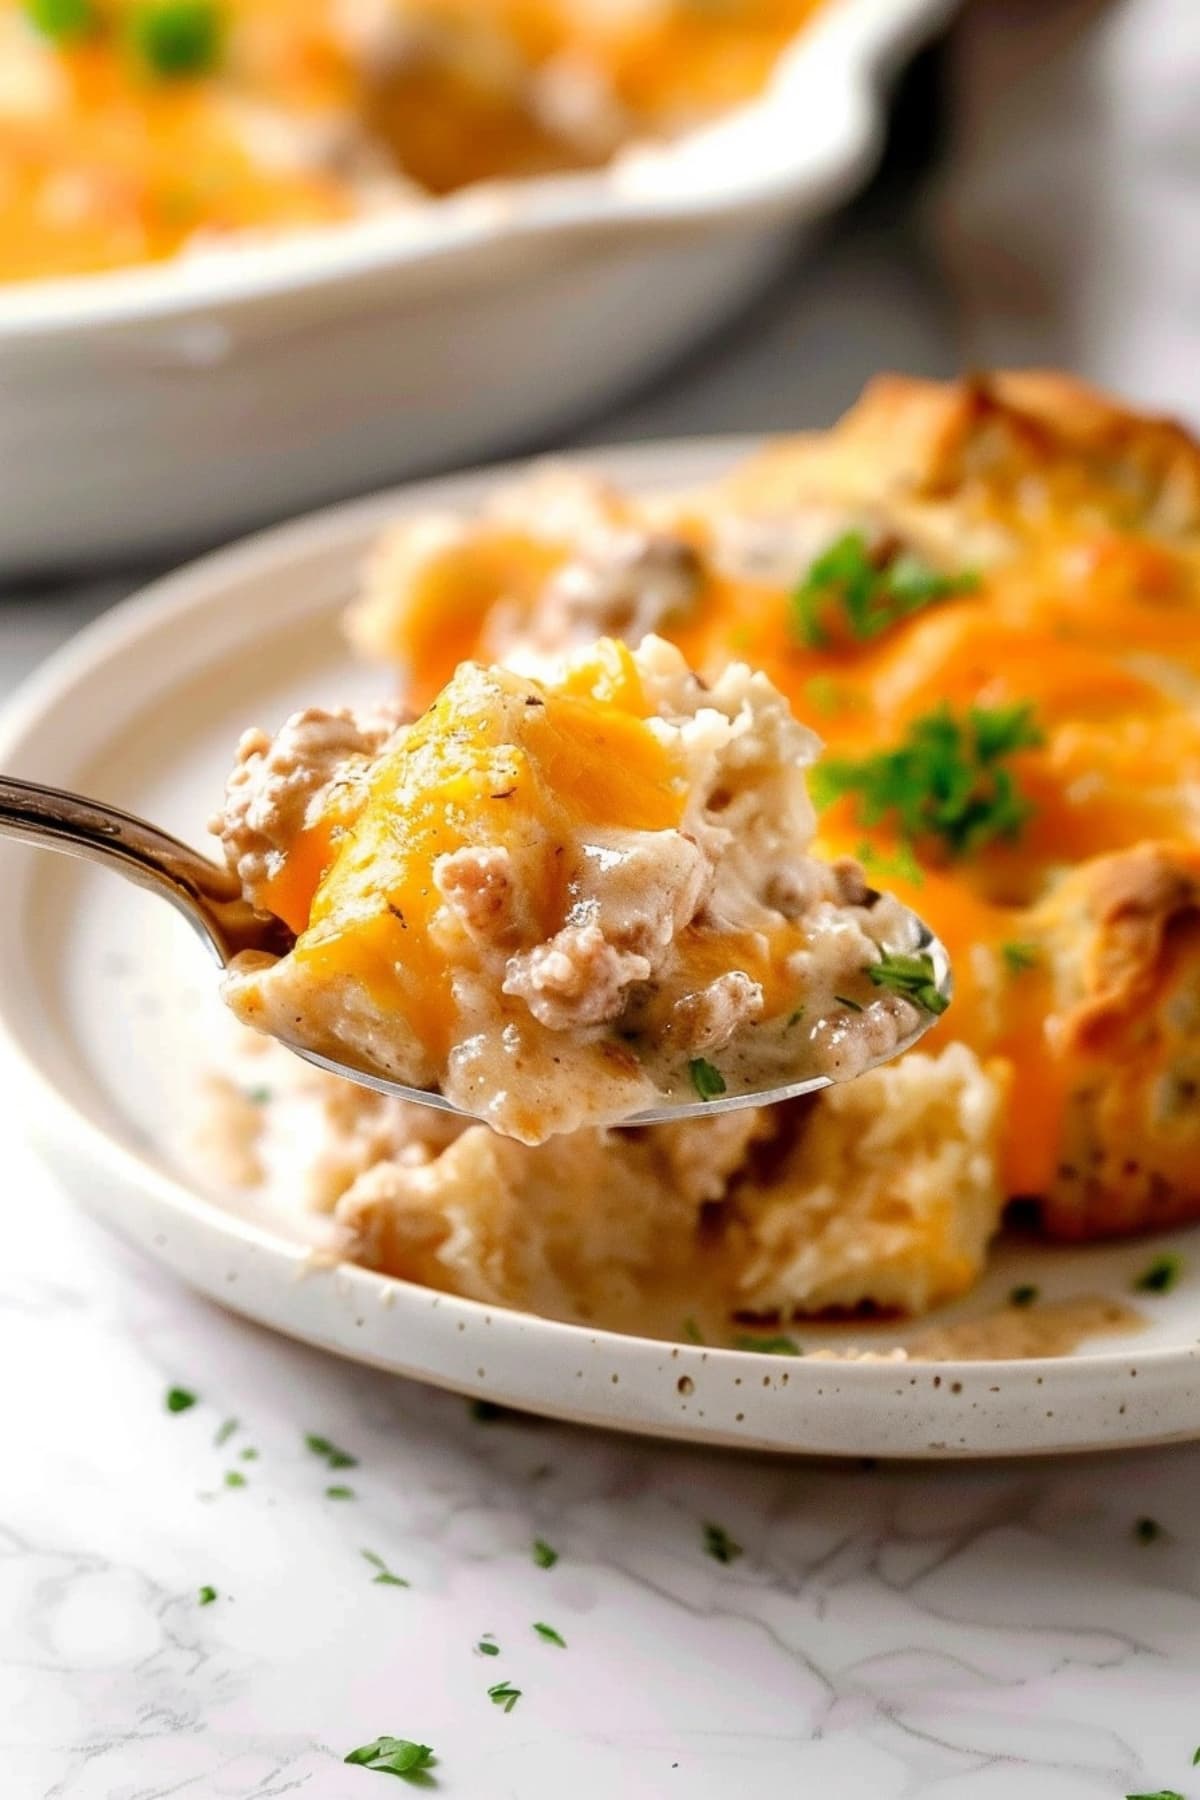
(716, 1396)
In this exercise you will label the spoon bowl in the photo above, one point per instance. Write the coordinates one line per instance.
(210, 898)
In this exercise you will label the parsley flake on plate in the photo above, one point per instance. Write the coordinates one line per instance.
(384, 1576)
(176, 38)
(548, 1635)
(719, 1545)
(206, 1595)
(543, 1555)
(179, 1399)
(504, 1694)
(778, 1345)
(330, 1455)
(1161, 1275)
(487, 1645)
(224, 1432)
(340, 1493)
(912, 976)
(392, 1756)
(234, 1478)
(947, 779)
(1158, 1794)
(707, 1080)
(847, 593)
(62, 21)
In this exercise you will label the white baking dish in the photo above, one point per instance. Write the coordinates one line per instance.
(152, 406)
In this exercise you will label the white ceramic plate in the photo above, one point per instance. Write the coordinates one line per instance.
(108, 1018)
(150, 406)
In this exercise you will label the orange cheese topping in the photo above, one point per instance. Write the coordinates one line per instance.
(1098, 629)
(469, 773)
(103, 163)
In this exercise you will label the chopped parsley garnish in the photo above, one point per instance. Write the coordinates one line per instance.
(1162, 1274)
(1147, 1531)
(707, 1081)
(331, 1456)
(846, 593)
(548, 1635)
(234, 1478)
(543, 1555)
(487, 1645)
(1195, 1758)
(206, 1595)
(62, 20)
(258, 1096)
(1024, 1295)
(794, 1018)
(392, 1756)
(903, 863)
(913, 976)
(175, 38)
(692, 1331)
(504, 1694)
(719, 1545)
(249, 1454)
(179, 1399)
(1158, 1794)
(767, 1346)
(340, 1493)
(1018, 957)
(845, 1000)
(486, 1412)
(384, 1577)
(946, 779)
(224, 1432)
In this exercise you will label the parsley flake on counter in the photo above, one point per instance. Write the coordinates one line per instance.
(234, 1478)
(384, 1577)
(340, 1493)
(1147, 1531)
(224, 1432)
(707, 1080)
(767, 1346)
(946, 779)
(846, 592)
(504, 1694)
(392, 1756)
(62, 20)
(487, 1645)
(543, 1555)
(330, 1455)
(719, 1545)
(206, 1595)
(912, 976)
(174, 38)
(179, 1399)
(1024, 1294)
(1161, 1275)
(548, 1635)
(1019, 957)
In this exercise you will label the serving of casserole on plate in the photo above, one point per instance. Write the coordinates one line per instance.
(280, 251)
(983, 597)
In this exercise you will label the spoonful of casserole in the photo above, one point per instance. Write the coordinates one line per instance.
(581, 897)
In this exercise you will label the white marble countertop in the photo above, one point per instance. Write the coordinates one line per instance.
(888, 1633)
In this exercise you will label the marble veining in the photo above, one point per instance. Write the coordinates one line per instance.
(880, 1632)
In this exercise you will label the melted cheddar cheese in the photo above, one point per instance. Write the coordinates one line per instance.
(314, 111)
(1066, 536)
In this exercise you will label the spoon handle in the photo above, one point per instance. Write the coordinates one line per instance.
(208, 895)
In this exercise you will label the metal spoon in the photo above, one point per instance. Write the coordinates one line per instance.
(210, 898)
